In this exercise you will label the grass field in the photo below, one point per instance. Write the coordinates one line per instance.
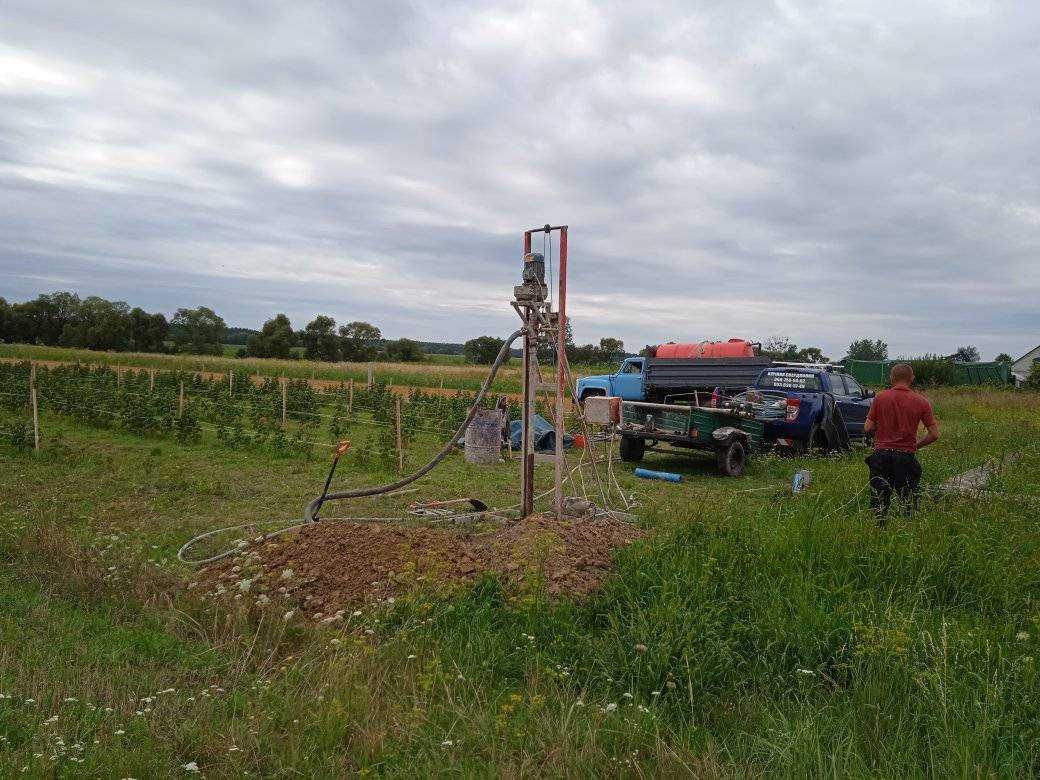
(784, 634)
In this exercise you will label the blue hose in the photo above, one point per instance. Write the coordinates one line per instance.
(667, 476)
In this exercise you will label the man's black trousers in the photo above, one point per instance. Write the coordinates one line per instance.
(893, 471)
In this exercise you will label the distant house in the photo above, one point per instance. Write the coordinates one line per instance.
(1020, 368)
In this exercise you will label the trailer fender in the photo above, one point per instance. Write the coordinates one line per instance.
(728, 433)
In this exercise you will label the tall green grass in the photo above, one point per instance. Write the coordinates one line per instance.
(753, 632)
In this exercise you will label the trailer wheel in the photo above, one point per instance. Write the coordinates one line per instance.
(632, 449)
(732, 458)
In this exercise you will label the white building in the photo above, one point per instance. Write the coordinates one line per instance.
(1020, 368)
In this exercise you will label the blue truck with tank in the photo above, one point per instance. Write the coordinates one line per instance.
(796, 407)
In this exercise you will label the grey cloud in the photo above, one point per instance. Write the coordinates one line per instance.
(825, 170)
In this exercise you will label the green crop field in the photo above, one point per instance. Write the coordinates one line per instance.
(752, 632)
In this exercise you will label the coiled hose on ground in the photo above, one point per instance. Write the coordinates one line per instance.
(314, 506)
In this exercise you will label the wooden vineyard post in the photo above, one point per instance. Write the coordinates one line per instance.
(371, 374)
(285, 399)
(151, 381)
(36, 420)
(397, 426)
(350, 396)
(230, 383)
(32, 378)
(180, 402)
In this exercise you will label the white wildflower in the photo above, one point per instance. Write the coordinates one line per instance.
(1022, 636)
(191, 766)
(610, 707)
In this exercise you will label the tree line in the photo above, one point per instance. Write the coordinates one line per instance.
(63, 319)
(484, 349)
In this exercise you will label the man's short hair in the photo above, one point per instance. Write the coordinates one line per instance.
(901, 372)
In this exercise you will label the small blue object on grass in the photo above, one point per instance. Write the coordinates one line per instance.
(667, 476)
(802, 479)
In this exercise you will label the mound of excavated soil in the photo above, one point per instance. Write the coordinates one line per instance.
(325, 567)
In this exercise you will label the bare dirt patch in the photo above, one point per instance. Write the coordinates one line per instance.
(325, 567)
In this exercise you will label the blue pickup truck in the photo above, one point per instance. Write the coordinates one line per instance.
(809, 407)
(796, 402)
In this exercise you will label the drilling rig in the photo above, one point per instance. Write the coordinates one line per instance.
(542, 326)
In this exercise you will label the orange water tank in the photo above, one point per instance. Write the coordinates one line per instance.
(708, 349)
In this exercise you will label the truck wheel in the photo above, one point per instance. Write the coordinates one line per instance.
(632, 449)
(732, 458)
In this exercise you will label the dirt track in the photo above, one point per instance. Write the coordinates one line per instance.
(258, 379)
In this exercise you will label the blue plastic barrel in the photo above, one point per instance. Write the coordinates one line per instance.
(667, 476)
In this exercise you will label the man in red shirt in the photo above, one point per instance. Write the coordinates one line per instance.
(894, 418)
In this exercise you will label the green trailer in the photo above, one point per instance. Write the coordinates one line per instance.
(730, 434)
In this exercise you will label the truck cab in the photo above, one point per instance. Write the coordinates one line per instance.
(627, 383)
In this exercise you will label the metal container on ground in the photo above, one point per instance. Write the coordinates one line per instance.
(484, 437)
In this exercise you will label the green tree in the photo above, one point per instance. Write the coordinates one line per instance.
(1003, 357)
(201, 330)
(6, 321)
(810, 355)
(148, 332)
(865, 349)
(611, 350)
(1033, 380)
(405, 350)
(275, 339)
(320, 340)
(99, 324)
(547, 352)
(359, 341)
(42, 321)
(482, 350)
(780, 348)
(968, 354)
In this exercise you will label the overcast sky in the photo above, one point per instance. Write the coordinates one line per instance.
(827, 171)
